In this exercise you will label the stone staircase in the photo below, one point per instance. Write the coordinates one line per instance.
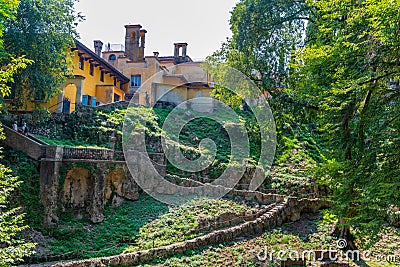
(33, 147)
(287, 210)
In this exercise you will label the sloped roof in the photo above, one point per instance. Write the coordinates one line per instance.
(103, 63)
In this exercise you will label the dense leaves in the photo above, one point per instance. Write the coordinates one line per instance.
(12, 248)
(332, 69)
(43, 31)
(350, 69)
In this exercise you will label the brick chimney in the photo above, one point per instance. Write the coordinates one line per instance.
(142, 44)
(178, 56)
(135, 42)
(98, 47)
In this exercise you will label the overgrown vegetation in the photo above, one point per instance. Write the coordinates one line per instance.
(178, 224)
(111, 237)
(332, 71)
(312, 232)
(42, 31)
(12, 221)
(298, 148)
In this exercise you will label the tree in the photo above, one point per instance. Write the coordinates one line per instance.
(332, 68)
(350, 68)
(265, 32)
(43, 31)
(12, 248)
(264, 35)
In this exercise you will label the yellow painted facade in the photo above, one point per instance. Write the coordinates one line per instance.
(117, 74)
(94, 82)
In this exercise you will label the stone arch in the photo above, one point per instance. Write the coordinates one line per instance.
(71, 89)
(77, 188)
(120, 186)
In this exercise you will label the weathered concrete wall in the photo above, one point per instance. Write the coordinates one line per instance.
(84, 185)
(20, 142)
(49, 182)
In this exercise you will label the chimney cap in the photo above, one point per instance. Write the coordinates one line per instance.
(133, 26)
(143, 30)
(180, 44)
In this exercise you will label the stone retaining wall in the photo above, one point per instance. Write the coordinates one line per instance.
(85, 186)
(88, 153)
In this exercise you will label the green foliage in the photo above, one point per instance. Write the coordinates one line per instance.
(12, 247)
(350, 69)
(43, 31)
(265, 32)
(7, 8)
(335, 94)
(27, 194)
(7, 73)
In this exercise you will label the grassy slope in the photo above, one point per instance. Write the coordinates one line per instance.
(82, 239)
(310, 233)
(176, 225)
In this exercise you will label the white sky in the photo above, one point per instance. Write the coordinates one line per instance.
(203, 24)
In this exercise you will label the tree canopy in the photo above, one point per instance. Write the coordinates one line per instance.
(350, 68)
(12, 248)
(43, 31)
(332, 67)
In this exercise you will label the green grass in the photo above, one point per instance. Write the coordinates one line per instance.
(175, 225)
(134, 226)
(69, 143)
(311, 233)
(79, 238)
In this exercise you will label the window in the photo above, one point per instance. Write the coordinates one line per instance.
(89, 100)
(91, 69)
(115, 81)
(116, 98)
(81, 63)
(112, 57)
(136, 81)
(102, 76)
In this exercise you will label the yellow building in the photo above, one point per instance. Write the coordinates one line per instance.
(94, 82)
(181, 78)
(116, 74)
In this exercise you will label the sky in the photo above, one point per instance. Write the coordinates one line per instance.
(203, 24)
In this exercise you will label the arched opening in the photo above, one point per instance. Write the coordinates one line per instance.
(69, 98)
(132, 36)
